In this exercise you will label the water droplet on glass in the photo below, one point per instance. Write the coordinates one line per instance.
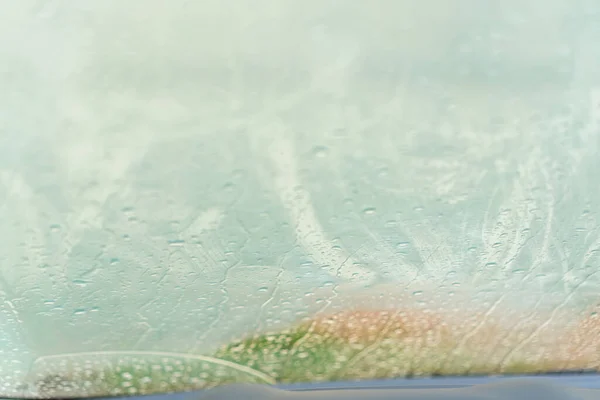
(383, 172)
(79, 311)
(126, 375)
(369, 211)
(54, 228)
(418, 293)
(402, 245)
(263, 289)
(176, 243)
(80, 282)
(320, 151)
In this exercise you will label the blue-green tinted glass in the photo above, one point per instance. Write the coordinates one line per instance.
(201, 192)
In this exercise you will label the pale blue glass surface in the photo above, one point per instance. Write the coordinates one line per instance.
(176, 174)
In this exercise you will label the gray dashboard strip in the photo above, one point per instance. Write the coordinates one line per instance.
(515, 389)
(549, 387)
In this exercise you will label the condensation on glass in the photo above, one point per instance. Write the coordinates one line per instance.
(196, 193)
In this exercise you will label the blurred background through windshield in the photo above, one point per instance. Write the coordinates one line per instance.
(178, 178)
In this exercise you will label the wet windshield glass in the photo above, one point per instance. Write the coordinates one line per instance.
(195, 193)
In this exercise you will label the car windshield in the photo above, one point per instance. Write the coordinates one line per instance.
(278, 191)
